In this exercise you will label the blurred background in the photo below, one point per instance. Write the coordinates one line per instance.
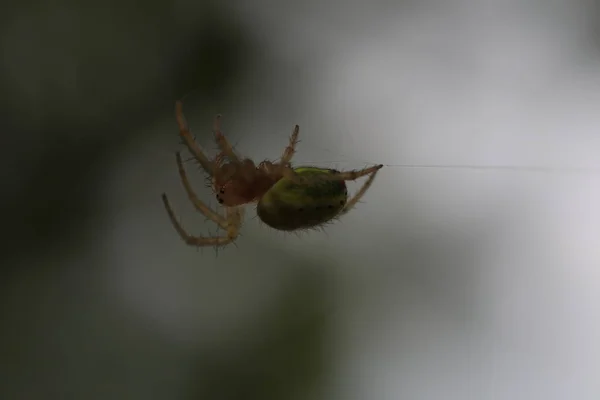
(444, 283)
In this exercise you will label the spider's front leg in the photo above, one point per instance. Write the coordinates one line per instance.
(198, 204)
(231, 222)
(189, 141)
(224, 145)
(234, 222)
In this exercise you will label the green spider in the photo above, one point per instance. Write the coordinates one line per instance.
(288, 198)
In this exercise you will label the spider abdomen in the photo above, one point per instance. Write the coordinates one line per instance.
(288, 206)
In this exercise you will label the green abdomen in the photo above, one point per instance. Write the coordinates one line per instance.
(288, 206)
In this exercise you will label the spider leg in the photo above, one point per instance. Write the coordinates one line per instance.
(200, 206)
(234, 217)
(189, 141)
(223, 143)
(219, 159)
(289, 151)
(358, 195)
(339, 176)
(351, 175)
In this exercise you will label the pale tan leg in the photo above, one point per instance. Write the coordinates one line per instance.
(200, 206)
(351, 175)
(340, 176)
(290, 150)
(233, 215)
(223, 143)
(358, 195)
(189, 141)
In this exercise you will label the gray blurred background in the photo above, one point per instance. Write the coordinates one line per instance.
(442, 284)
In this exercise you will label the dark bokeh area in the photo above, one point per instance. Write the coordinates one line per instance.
(442, 283)
(115, 68)
(80, 84)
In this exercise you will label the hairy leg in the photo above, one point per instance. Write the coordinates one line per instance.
(358, 195)
(234, 216)
(352, 175)
(224, 145)
(290, 150)
(189, 141)
(200, 206)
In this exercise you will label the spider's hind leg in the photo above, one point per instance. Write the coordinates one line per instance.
(290, 150)
(352, 175)
(358, 195)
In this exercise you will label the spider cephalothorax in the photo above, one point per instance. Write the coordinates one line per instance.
(288, 198)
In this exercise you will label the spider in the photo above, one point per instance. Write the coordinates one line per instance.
(288, 198)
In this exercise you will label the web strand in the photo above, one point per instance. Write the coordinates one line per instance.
(507, 168)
